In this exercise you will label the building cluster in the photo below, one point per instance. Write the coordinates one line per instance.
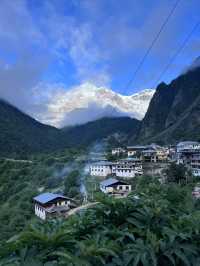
(186, 152)
(131, 165)
(147, 153)
(125, 168)
(50, 205)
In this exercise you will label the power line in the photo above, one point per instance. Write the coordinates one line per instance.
(152, 44)
(179, 50)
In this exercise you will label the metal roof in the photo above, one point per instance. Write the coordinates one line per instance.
(109, 181)
(130, 159)
(46, 197)
(149, 151)
(188, 143)
(103, 163)
(136, 147)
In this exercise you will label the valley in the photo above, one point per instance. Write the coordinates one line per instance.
(112, 187)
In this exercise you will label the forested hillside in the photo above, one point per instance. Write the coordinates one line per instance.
(20, 134)
(84, 135)
(21, 180)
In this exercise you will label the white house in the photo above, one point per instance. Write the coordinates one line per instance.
(101, 168)
(118, 151)
(129, 168)
(188, 153)
(123, 168)
(187, 146)
(125, 172)
(49, 205)
(112, 185)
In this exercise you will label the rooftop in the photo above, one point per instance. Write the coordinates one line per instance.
(149, 151)
(130, 159)
(103, 163)
(188, 143)
(47, 197)
(110, 181)
(136, 147)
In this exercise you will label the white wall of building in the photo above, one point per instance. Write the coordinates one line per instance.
(127, 173)
(131, 153)
(196, 172)
(118, 151)
(100, 170)
(119, 188)
(188, 146)
(40, 212)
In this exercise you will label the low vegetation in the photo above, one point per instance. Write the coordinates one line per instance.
(21, 180)
(158, 224)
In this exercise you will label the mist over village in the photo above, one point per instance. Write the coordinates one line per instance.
(100, 133)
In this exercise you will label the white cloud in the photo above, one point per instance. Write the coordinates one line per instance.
(86, 102)
(96, 37)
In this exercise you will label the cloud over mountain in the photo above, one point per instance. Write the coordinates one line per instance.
(88, 102)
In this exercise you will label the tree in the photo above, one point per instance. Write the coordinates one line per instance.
(72, 183)
(177, 173)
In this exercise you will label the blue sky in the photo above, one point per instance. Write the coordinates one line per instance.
(70, 42)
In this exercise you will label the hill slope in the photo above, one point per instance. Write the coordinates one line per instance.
(20, 133)
(174, 111)
(99, 129)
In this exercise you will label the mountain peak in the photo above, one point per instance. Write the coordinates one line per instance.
(196, 63)
(89, 102)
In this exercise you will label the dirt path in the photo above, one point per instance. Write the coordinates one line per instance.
(86, 206)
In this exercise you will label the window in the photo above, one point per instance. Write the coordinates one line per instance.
(120, 187)
(127, 187)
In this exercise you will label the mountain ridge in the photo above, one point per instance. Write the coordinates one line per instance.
(21, 135)
(69, 107)
(171, 105)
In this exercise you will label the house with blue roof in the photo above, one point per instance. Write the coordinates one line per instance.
(114, 186)
(50, 205)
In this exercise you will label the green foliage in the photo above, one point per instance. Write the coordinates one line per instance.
(95, 131)
(21, 180)
(178, 173)
(72, 184)
(145, 231)
(21, 135)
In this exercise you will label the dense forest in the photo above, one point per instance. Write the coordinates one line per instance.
(21, 135)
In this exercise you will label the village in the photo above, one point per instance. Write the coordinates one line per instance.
(114, 176)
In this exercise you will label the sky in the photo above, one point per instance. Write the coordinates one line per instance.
(51, 46)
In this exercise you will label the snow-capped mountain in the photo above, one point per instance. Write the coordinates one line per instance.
(88, 102)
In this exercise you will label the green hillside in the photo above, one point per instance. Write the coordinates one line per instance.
(20, 134)
(84, 135)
